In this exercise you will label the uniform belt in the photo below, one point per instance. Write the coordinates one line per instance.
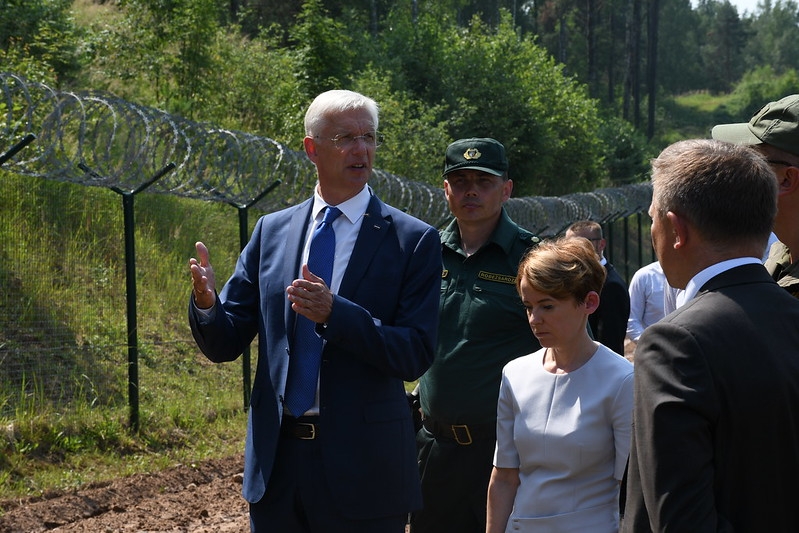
(303, 428)
(463, 434)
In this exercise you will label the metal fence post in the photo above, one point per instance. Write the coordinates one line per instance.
(244, 237)
(130, 285)
(25, 141)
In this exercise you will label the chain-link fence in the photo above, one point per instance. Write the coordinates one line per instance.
(124, 149)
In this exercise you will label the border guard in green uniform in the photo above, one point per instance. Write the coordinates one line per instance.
(482, 326)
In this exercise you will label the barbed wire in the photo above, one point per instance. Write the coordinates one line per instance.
(96, 139)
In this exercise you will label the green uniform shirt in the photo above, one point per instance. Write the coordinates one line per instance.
(482, 325)
(782, 270)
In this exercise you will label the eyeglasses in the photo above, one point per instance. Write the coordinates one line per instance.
(343, 142)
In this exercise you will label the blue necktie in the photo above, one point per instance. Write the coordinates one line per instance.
(304, 365)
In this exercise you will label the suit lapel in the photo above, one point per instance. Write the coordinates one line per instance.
(373, 230)
(298, 225)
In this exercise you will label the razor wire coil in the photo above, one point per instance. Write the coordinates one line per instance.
(96, 139)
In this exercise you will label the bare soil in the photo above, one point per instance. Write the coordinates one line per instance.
(200, 498)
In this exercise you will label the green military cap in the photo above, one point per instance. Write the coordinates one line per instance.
(776, 124)
(477, 153)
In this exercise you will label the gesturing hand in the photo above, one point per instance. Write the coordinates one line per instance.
(310, 297)
(202, 278)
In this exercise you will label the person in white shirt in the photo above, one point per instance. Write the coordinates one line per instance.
(646, 299)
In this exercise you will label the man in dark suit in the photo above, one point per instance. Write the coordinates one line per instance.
(609, 322)
(715, 442)
(347, 463)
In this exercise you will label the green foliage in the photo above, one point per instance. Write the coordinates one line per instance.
(725, 37)
(774, 37)
(43, 30)
(323, 49)
(413, 47)
(627, 156)
(414, 135)
(488, 81)
(255, 89)
(679, 44)
(161, 50)
(503, 86)
(759, 87)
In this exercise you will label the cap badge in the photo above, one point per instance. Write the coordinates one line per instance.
(472, 153)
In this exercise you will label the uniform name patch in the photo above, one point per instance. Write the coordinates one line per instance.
(499, 278)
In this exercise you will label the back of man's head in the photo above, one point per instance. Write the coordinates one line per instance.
(728, 193)
(591, 230)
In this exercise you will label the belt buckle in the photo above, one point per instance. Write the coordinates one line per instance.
(465, 442)
(311, 431)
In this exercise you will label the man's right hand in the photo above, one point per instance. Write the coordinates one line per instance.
(202, 278)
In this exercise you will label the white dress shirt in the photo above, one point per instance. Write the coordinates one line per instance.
(646, 299)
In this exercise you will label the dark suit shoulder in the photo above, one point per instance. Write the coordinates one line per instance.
(613, 275)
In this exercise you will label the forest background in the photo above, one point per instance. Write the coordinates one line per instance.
(581, 93)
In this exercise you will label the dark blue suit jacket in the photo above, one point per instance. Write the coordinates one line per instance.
(381, 332)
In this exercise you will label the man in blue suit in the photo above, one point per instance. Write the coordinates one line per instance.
(348, 462)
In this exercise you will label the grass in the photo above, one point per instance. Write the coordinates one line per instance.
(64, 415)
(87, 12)
(691, 115)
(51, 446)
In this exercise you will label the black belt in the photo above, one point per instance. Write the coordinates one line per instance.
(463, 434)
(304, 428)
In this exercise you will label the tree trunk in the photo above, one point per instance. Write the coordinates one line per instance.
(591, 43)
(651, 66)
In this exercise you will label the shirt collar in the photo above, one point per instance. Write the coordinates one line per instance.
(353, 209)
(503, 235)
(696, 283)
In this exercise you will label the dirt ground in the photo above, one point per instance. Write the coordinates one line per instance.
(201, 498)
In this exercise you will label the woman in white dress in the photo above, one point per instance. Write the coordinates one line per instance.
(564, 412)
